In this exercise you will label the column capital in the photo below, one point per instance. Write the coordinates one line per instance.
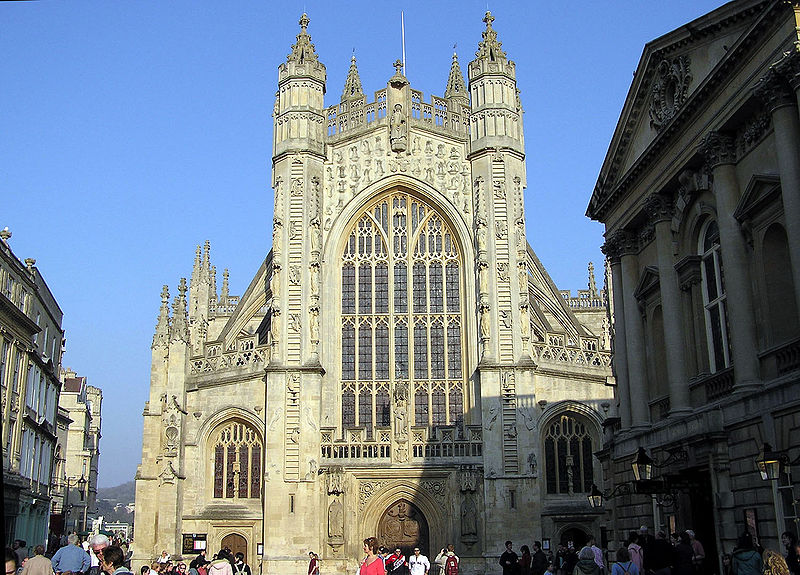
(789, 66)
(659, 208)
(718, 148)
(620, 243)
(774, 90)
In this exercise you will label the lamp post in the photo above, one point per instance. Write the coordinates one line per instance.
(772, 464)
(67, 507)
(82, 487)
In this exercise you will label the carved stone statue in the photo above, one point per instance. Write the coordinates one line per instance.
(335, 520)
(399, 130)
(480, 234)
(316, 235)
(486, 328)
(469, 517)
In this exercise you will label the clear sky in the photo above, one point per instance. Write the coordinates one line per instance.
(130, 132)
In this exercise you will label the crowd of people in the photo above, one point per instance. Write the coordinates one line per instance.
(643, 554)
(380, 560)
(70, 556)
(224, 562)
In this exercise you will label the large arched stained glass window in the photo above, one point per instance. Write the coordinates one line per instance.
(568, 455)
(237, 461)
(401, 316)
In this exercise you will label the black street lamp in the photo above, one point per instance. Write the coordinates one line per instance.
(770, 463)
(82, 488)
(642, 466)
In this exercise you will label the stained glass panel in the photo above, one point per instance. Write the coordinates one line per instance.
(219, 470)
(365, 289)
(421, 407)
(348, 408)
(348, 352)
(437, 351)
(401, 351)
(452, 287)
(383, 408)
(439, 407)
(436, 287)
(255, 475)
(364, 351)
(420, 293)
(348, 289)
(420, 351)
(382, 352)
(381, 288)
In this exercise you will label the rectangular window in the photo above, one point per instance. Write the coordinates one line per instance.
(439, 408)
(365, 410)
(255, 475)
(348, 409)
(365, 352)
(421, 407)
(382, 352)
(381, 288)
(436, 288)
(348, 352)
(420, 293)
(421, 351)
(365, 289)
(401, 351)
(452, 287)
(400, 288)
(454, 351)
(437, 351)
(348, 289)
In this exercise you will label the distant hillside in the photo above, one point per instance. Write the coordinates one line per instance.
(111, 502)
(124, 493)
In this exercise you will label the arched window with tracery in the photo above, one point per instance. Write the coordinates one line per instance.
(714, 297)
(401, 315)
(237, 461)
(568, 455)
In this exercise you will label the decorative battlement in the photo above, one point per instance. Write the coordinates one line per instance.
(585, 299)
(426, 443)
(582, 351)
(351, 116)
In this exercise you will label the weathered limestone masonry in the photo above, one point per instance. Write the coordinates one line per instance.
(400, 363)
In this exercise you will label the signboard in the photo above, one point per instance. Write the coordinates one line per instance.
(193, 543)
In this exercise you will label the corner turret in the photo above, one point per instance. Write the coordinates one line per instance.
(496, 112)
(456, 90)
(299, 118)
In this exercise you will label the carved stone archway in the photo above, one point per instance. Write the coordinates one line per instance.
(403, 525)
(236, 543)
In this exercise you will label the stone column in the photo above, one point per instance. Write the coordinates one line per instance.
(659, 208)
(620, 357)
(634, 331)
(689, 278)
(780, 100)
(720, 152)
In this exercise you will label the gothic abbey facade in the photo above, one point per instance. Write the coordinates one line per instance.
(401, 365)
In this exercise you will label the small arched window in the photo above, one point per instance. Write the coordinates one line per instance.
(237, 461)
(714, 298)
(568, 455)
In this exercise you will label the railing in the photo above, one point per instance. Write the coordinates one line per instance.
(781, 359)
(356, 444)
(558, 348)
(446, 442)
(584, 299)
(718, 385)
(427, 443)
(246, 353)
(659, 409)
(351, 115)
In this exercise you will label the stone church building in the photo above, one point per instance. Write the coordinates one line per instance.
(401, 365)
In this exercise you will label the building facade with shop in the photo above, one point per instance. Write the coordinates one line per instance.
(31, 341)
(401, 365)
(78, 455)
(700, 196)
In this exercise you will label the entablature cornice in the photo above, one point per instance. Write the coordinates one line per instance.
(613, 186)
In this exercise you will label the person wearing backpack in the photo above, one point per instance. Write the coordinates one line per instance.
(635, 551)
(624, 565)
(451, 563)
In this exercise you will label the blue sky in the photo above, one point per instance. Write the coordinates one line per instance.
(130, 132)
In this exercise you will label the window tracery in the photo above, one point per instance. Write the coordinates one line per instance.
(568, 456)
(237, 462)
(714, 298)
(401, 280)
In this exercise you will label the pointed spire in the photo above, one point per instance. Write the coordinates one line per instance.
(490, 47)
(592, 282)
(207, 257)
(303, 50)
(161, 337)
(213, 283)
(223, 298)
(456, 88)
(180, 324)
(352, 86)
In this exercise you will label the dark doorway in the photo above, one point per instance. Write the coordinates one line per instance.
(237, 544)
(403, 525)
(694, 509)
(576, 536)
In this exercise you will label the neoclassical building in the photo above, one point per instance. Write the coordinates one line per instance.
(401, 364)
(700, 196)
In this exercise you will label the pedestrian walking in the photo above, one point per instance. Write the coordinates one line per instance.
(509, 560)
(525, 560)
(372, 563)
(625, 565)
(418, 563)
(71, 558)
(38, 564)
(586, 564)
(539, 561)
(746, 560)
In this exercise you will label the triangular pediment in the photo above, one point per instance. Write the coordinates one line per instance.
(674, 74)
(648, 284)
(761, 190)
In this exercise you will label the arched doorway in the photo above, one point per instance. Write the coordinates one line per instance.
(574, 535)
(403, 525)
(236, 543)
